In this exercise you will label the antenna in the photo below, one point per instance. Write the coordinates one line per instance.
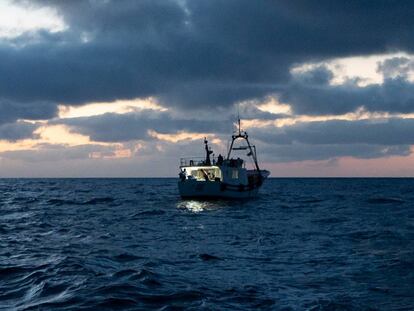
(238, 117)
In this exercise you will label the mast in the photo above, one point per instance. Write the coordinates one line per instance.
(238, 118)
(243, 135)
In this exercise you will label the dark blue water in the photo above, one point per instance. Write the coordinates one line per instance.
(304, 244)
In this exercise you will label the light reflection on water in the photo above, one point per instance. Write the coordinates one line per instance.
(195, 206)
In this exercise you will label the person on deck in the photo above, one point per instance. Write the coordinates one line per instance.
(183, 174)
(220, 160)
(205, 175)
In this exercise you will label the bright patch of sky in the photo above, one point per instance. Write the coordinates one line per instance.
(362, 68)
(16, 20)
(118, 106)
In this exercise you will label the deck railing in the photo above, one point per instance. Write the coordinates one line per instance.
(195, 161)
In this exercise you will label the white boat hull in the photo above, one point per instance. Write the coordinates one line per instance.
(214, 189)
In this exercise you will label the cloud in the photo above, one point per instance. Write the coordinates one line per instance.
(310, 93)
(304, 152)
(302, 140)
(56, 152)
(319, 75)
(249, 110)
(309, 28)
(377, 132)
(17, 131)
(336, 138)
(16, 20)
(112, 127)
(10, 110)
(197, 58)
(396, 67)
(205, 53)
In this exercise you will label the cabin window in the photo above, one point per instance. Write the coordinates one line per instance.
(200, 174)
(235, 174)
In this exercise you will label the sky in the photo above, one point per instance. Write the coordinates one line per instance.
(125, 88)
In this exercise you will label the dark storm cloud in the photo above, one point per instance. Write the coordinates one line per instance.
(35, 110)
(112, 127)
(320, 75)
(310, 93)
(203, 53)
(250, 111)
(18, 130)
(304, 152)
(378, 132)
(305, 28)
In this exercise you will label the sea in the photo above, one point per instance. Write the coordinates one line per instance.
(133, 244)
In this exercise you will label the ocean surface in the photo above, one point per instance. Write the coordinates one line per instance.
(133, 244)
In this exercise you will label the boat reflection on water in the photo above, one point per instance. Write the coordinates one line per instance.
(196, 206)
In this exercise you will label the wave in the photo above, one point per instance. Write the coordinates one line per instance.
(93, 201)
(12, 271)
(311, 200)
(385, 201)
(114, 303)
(208, 257)
(126, 257)
(343, 304)
(59, 202)
(115, 248)
(150, 213)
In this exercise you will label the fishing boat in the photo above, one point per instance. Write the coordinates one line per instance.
(228, 177)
